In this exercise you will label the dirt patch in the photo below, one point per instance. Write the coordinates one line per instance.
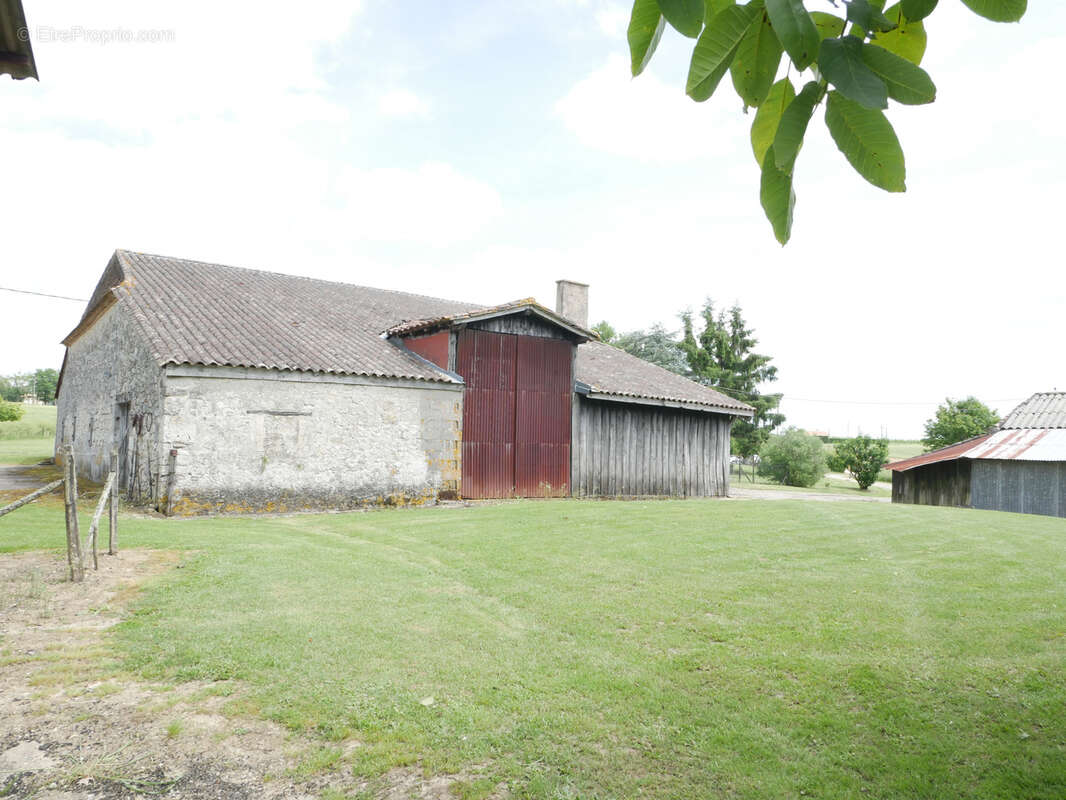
(19, 479)
(73, 726)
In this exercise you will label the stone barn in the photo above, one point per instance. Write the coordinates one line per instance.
(227, 389)
(1020, 466)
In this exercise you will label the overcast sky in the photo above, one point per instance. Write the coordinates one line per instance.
(481, 150)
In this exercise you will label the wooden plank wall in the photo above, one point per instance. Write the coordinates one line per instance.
(946, 483)
(622, 449)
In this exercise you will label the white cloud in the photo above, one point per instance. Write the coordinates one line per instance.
(613, 20)
(208, 146)
(402, 103)
(646, 119)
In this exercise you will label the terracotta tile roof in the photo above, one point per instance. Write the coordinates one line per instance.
(198, 313)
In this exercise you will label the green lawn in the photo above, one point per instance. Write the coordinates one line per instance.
(830, 483)
(30, 439)
(686, 649)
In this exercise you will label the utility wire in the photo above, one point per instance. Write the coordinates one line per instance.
(42, 294)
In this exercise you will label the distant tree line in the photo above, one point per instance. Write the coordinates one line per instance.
(41, 383)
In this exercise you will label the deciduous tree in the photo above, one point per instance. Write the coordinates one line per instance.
(656, 345)
(855, 60)
(863, 456)
(957, 420)
(793, 458)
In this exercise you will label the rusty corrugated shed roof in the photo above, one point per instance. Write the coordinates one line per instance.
(948, 453)
(199, 313)
(1042, 410)
(1034, 431)
(16, 52)
(1022, 444)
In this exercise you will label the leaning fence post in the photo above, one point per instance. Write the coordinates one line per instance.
(172, 477)
(112, 520)
(109, 487)
(77, 568)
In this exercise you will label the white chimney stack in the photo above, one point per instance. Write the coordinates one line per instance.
(572, 301)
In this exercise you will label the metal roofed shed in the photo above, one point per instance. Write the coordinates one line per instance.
(16, 52)
(1019, 467)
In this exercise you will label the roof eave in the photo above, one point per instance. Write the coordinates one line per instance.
(16, 56)
(592, 394)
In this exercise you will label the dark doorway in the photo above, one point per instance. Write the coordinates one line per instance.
(122, 441)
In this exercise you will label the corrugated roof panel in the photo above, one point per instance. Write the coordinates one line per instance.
(1015, 444)
(1048, 444)
(1042, 410)
(943, 454)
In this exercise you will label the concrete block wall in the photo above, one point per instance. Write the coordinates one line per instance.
(264, 440)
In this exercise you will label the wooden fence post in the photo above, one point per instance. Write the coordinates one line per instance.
(77, 567)
(172, 477)
(112, 521)
(109, 487)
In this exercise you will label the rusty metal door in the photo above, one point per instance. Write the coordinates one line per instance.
(487, 363)
(542, 430)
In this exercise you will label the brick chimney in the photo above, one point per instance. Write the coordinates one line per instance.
(572, 301)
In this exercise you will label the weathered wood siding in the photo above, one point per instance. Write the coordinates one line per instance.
(1026, 487)
(521, 325)
(622, 449)
(946, 483)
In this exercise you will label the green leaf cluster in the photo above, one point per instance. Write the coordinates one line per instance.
(793, 458)
(863, 457)
(858, 62)
(958, 420)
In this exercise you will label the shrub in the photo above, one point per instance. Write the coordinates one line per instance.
(10, 412)
(834, 462)
(864, 457)
(793, 458)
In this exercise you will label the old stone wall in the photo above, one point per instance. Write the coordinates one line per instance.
(108, 365)
(263, 440)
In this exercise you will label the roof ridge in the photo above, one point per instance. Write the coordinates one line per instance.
(290, 276)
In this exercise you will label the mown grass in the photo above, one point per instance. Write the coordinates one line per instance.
(30, 439)
(687, 649)
(830, 483)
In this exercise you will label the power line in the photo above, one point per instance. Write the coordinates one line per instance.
(42, 294)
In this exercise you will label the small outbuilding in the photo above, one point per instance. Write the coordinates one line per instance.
(227, 389)
(1020, 466)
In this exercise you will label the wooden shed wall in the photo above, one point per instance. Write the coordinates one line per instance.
(622, 449)
(1027, 487)
(946, 483)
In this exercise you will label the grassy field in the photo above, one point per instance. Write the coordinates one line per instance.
(30, 439)
(899, 449)
(687, 649)
(830, 483)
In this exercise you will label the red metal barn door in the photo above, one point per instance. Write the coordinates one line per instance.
(542, 427)
(487, 363)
